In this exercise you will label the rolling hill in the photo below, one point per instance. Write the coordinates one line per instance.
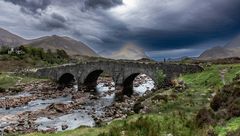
(71, 46)
(9, 39)
(232, 49)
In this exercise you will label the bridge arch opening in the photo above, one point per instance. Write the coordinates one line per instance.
(91, 80)
(66, 80)
(106, 86)
(101, 83)
(138, 83)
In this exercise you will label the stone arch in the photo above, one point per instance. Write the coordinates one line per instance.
(128, 82)
(66, 79)
(91, 80)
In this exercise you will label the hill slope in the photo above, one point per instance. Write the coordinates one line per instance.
(71, 46)
(9, 39)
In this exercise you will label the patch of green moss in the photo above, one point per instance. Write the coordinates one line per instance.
(231, 126)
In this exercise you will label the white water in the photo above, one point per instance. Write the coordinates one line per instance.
(80, 117)
(9, 116)
(143, 88)
(24, 94)
(74, 120)
(34, 106)
(148, 85)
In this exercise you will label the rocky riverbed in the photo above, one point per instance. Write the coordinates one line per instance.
(41, 106)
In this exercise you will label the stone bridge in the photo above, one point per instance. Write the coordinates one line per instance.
(123, 73)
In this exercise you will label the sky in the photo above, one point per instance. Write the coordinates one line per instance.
(163, 28)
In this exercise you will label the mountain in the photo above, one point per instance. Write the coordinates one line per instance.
(129, 52)
(9, 39)
(71, 46)
(232, 49)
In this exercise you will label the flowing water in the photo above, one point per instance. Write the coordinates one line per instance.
(34, 105)
(81, 117)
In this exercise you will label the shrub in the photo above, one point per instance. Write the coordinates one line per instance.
(4, 50)
(34, 55)
(234, 108)
(205, 117)
(160, 77)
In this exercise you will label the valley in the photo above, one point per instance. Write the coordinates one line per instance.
(33, 106)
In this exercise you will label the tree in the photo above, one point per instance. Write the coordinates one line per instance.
(4, 50)
(62, 54)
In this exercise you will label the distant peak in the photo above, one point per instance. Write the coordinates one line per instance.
(129, 51)
(56, 36)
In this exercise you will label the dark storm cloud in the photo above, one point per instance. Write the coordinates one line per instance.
(158, 39)
(54, 21)
(102, 3)
(31, 6)
(152, 24)
(45, 21)
(198, 23)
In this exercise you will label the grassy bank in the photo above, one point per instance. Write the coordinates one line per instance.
(231, 126)
(8, 80)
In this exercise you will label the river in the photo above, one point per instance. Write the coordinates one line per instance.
(75, 119)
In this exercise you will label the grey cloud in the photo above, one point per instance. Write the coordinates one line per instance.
(152, 24)
(31, 6)
(36, 6)
(102, 3)
(54, 21)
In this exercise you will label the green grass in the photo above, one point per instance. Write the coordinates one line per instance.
(176, 124)
(76, 132)
(200, 88)
(8, 80)
(210, 77)
(231, 126)
(138, 125)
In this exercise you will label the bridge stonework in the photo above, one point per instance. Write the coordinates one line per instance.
(86, 74)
